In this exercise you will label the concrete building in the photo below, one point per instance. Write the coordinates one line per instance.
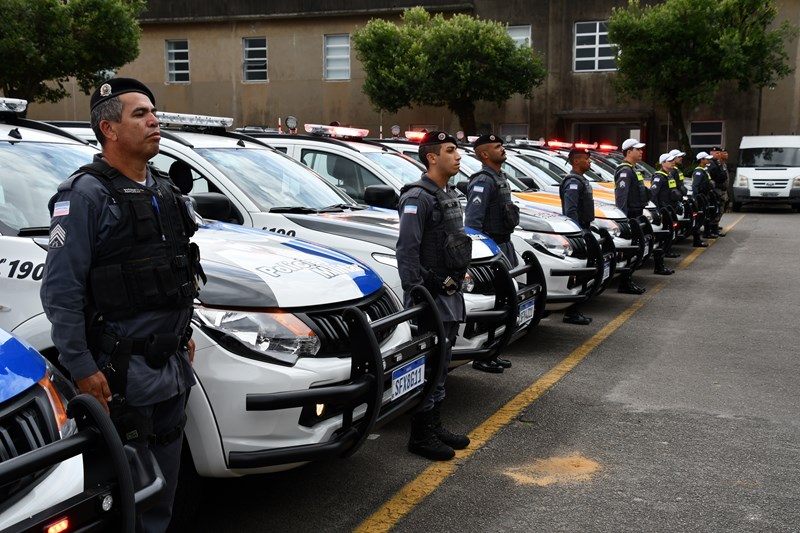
(262, 61)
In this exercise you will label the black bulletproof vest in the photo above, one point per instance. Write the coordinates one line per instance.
(701, 182)
(502, 216)
(445, 247)
(637, 194)
(147, 262)
(585, 199)
(668, 193)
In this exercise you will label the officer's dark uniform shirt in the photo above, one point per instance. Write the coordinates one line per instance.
(84, 217)
(418, 212)
(718, 174)
(701, 182)
(577, 201)
(630, 193)
(481, 194)
(664, 189)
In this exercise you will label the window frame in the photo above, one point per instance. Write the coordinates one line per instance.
(718, 140)
(172, 74)
(248, 61)
(327, 47)
(528, 38)
(600, 33)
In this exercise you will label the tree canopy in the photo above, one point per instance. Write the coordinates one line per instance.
(678, 52)
(45, 42)
(438, 61)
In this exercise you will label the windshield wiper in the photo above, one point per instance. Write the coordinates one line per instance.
(341, 207)
(293, 209)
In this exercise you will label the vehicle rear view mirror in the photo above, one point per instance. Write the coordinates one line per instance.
(463, 186)
(529, 183)
(381, 196)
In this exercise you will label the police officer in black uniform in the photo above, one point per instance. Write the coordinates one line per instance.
(665, 193)
(678, 176)
(120, 281)
(630, 195)
(491, 210)
(577, 203)
(434, 251)
(719, 175)
(703, 192)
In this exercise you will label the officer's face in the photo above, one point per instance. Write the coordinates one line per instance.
(448, 161)
(635, 154)
(581, 163)
(137, 133)
(668, 165)
(496, 153)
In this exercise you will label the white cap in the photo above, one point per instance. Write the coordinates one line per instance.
(703, 155)
(631, 143)
(676, 153)
(666, 157)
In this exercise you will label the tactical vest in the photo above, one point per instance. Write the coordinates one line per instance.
(637, 194)
(701, 181)
(445, 248)
(585, 200)
(502, 215)
(667, 192)
(677, 174)
(147, 262)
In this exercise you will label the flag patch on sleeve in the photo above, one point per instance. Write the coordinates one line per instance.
(61, 209)
(410, 209)
(478, 188)
(574, 186)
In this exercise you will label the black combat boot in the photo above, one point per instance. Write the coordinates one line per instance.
(660, 269)
(627, 286)
(455, 441)
(698, 242)
(423, 440)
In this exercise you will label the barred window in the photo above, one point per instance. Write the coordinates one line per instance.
(705, 134)
(592, 51)
(337, 57)
(254, 65)
(178, 61)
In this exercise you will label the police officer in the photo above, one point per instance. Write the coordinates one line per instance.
(703, 192)
(718, 171)
(434, 251)
(630, 195)
(678, 176)
(665, 195)
(120, 280)
(491, 210)
(577, 203)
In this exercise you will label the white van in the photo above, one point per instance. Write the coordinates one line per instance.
(768, 171)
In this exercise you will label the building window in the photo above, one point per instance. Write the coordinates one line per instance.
(593, 53)
(178, 61)
(704, 135)
(513, 131)
(255, 59)
(337, 57)
(520, 34)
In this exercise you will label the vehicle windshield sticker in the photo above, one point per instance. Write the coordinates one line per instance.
(410, 209)
(58, 236)
(61, 209)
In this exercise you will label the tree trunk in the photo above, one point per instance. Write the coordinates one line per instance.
(466, 116)
(684, 143)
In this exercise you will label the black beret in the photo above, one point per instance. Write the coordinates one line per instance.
(716, 149)
(117, 86)
(576, 151)
(488, 138)
(437, 137)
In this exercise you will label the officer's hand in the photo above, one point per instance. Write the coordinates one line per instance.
(190, 348)
(97, 386)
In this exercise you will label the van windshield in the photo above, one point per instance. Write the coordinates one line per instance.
(769, 157)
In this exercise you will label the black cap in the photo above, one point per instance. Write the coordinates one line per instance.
(488, 138)
(716, 149)
(576, 151)
(117, 86)
(437, 137)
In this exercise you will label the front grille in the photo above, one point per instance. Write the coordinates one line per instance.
(26, 424)
(770, 183)
(578, 246)
(332, 330)
(483, 276)
(624, 229)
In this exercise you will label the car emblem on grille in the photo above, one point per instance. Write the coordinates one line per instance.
(770, 184)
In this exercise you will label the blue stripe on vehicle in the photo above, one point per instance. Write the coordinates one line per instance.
(21, 366)
(486, 240)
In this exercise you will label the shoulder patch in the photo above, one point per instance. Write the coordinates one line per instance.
(476, 200)
(58, 236)
(61, 209)
(410, 209)
(621, 184)
(573, 186)
(478, 188)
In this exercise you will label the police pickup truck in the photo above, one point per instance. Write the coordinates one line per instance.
(301, 350)
(237, 178)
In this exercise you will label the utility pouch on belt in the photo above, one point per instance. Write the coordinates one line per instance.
(130, 425)
(457, 251)
(510, 216)
(160, 348)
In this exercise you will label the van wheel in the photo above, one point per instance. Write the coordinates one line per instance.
(736, 206)
(187, 495)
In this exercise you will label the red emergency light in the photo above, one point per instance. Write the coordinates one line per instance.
(586, 146)
(608, 147)
(415, 136)
(558, 144)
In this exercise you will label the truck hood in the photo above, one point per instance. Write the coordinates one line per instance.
(253, 268)
(381, 227)
(21, 366)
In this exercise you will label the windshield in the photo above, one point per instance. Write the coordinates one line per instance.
(532, 169)
(398, 165)
(769, 157)
(272, 180)
(29, 176)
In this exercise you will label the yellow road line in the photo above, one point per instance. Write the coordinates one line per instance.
(689, 259)
(429, 480)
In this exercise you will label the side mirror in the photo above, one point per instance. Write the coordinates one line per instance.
(529, 183)
(463, 186)
(381, 196)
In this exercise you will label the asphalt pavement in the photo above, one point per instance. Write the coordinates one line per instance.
(673, 411)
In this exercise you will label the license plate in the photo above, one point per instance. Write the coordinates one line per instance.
(606, 270)
(526, 310)
(408, 377)
(769, 194)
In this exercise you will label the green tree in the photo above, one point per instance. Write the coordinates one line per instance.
(45, 42)
(453, 62)
(678, 52)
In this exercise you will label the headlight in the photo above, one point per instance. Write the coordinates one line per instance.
(796, 182)
(648, 215)
(741, 180)
(59, 391)
(552, 243)
(608, 225)
(273, 337)
(468, 285)
(385, 259)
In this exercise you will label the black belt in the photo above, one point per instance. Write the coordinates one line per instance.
(153, 345)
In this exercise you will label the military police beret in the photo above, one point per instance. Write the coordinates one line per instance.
(437, 137)
(576, 151)
(117, 86)
(488, 138)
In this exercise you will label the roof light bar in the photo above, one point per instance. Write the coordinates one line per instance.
(472, 138)
(607, 147)
(528, 142)
(415, 136)
(335, 131)
(558, 144)
(13, 105)
(586, 146)
(193, 120)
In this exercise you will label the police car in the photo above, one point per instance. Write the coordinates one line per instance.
(62, 465)
(300, 349)
(240, 179)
